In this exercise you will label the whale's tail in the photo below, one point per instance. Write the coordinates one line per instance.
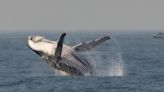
(85, 46)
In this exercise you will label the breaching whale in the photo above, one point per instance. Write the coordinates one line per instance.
(62, 58)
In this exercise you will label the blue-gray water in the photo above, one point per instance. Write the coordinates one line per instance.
(21, 70)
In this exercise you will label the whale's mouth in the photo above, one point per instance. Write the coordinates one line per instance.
(29, 38)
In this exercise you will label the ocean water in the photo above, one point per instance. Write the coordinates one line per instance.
(129, 62)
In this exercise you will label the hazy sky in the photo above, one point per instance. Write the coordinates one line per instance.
(81, 15)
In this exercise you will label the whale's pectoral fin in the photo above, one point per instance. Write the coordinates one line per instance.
(85, 46)
(59, 47)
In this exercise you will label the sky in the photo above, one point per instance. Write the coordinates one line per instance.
(77, 15)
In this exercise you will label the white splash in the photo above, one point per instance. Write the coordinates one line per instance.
(107, 60)
(117, 66)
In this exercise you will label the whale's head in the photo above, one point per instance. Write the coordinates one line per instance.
(41, 45)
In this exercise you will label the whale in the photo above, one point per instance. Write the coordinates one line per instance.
(63, 59)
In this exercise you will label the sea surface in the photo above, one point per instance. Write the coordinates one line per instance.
(129, 62)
